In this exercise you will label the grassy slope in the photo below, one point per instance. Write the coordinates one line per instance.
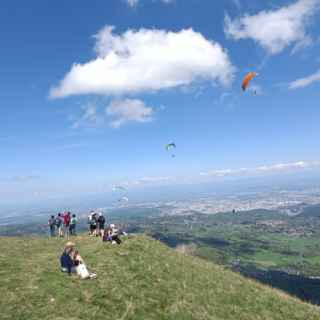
(141, 279)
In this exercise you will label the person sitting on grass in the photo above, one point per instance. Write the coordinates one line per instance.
(107, 235)
(111, 234)
(71, 262)
(66, 261)
(81, 268)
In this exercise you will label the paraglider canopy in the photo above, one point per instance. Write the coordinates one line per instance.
(124, 199)
(246, 80)
(170, 146)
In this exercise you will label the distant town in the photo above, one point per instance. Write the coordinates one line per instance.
(289, 202)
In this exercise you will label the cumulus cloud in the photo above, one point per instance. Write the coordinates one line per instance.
(275, 168)
(128, 110)
(304, 82)
(146, 60)
(276, 29)
(116, 114)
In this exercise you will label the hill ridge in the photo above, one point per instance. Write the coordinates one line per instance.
(140, 279)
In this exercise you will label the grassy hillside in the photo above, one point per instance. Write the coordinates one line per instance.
(141, 279)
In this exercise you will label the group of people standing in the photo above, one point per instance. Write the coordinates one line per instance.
(63, 225)
(96, 222)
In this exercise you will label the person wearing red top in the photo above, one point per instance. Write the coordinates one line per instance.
(66, 223)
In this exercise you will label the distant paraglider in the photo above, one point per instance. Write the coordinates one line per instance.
(124, 200)
(246, 80)
(119, 188)
(122, 192)
(170, 147)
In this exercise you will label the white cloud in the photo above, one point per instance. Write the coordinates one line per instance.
(25, 178)
(128, 110)
(218, 173)
(305, 43)
(148, 181)
(276, 29)
(90, 117)
(146, 60)
(132, 3)
(18, 179)
(153, 179)
(284, 166)
(116, 113)
(228, 100)
(280, 167)
(304, 82)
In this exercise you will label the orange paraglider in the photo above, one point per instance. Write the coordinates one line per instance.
(246, 80)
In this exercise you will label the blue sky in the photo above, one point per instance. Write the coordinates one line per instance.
(92, 91)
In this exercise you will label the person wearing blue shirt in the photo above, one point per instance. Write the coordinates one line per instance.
(71, 262)
(66, 261)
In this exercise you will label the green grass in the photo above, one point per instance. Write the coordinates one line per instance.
(271, 259)
(141, 279)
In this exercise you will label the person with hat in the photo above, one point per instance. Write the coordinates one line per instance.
(66, 261)
(72, 262)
